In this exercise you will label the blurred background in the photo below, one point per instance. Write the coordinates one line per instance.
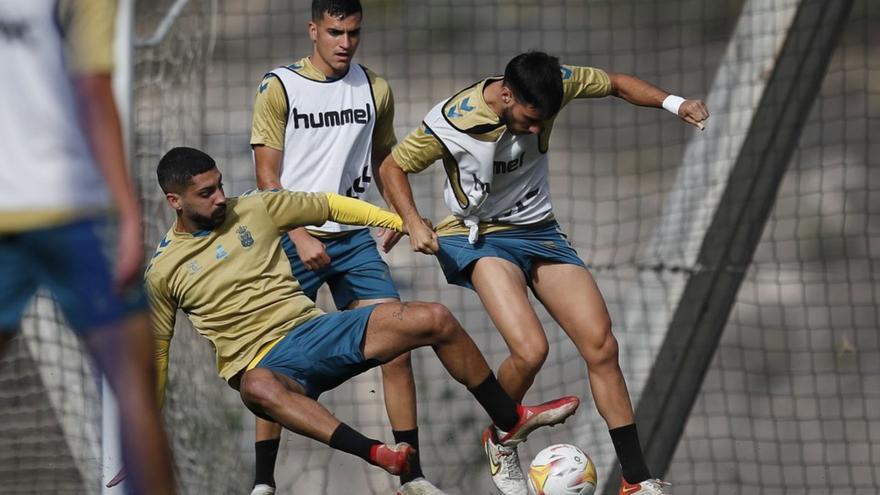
(788, 401)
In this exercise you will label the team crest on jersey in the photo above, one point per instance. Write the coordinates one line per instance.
(245, 237)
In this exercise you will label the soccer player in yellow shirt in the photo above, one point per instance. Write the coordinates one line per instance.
(321, 124)
(62, 169)
(222, 264)
(503, 239)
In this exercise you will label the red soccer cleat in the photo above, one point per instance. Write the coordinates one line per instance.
(393, 458)
(534, 417)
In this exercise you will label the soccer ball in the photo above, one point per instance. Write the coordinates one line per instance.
(562, 469)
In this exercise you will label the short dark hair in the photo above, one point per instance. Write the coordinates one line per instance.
(335, 8)
(177, 168)
(535, 78)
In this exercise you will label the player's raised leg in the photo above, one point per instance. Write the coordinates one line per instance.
(572, 298)
(391, 330)
(502, 288)
(399, 391)
(398, 327)
(273, 396)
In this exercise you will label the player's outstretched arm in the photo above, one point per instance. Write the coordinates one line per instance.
(643, 93)
(398, 194)
(105, 138)
(267, 161)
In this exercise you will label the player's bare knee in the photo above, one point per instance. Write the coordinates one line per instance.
(443, 323)
(602, 349)
(260, 388)
(530, 355)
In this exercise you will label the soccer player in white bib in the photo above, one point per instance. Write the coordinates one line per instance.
(502, 238)
(64, 188)
(320, 124)
(222, 264)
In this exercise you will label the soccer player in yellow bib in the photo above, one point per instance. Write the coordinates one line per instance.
(223, 265)
(502, 238)
(320, 124)
(63, 182)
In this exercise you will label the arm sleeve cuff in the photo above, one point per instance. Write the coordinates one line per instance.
(352, 211)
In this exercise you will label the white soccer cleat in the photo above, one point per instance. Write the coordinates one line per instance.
(419, 486)
(263, 490)
(647, 487)
(504, 465)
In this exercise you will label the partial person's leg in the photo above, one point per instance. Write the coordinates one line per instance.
(124, 353)
(267, 442)
(502, 288)
(273, 396)
(116, 329)
(394, 328)
(572, 298)
(267, 434)
(399, 389)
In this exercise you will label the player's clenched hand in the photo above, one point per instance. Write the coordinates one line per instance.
(311, 251)
(130, 254)
(119, 478)
(694, 112)
(422, 237)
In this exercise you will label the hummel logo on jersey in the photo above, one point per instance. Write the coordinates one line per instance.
(11, 30)
(464, 106)
(566, 73)
(332, 118)
(506, 167)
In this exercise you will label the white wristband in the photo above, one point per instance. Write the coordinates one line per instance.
(672, 103)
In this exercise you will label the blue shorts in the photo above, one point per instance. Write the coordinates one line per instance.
(323, 352)
(71, 262)
(520, 246)
(356, 271)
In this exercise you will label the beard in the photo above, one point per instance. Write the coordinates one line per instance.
(506, 119)
(209, 222)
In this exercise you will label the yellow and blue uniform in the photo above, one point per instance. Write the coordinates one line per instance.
(53, 203)
(235, 285)
(512, 204)
(330, 158)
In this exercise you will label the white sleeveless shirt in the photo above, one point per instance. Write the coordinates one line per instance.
(329, 135)
(45, 159)
(502, 181)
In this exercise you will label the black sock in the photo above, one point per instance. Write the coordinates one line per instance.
(264, 468)
(496, 402)
(415, 466)
(629, 453)
(346, 439)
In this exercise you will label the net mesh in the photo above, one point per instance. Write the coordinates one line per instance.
(791, 398)
(789, 403)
